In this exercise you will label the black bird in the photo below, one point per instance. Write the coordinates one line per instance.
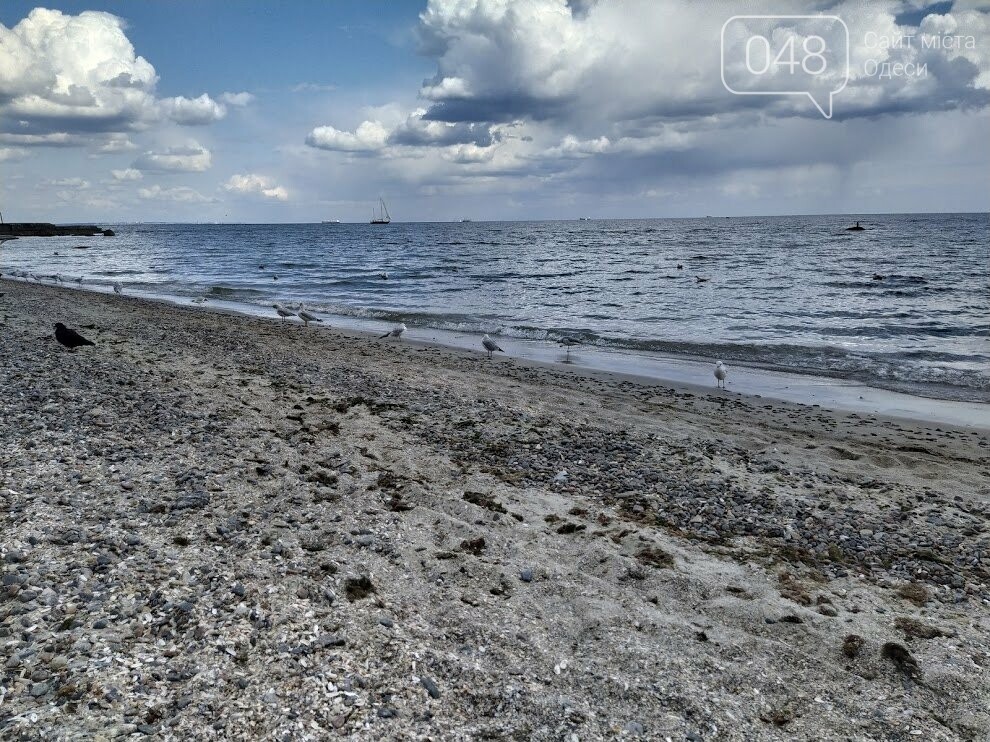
(70, 338)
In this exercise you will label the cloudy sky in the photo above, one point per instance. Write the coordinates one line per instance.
(483, 109)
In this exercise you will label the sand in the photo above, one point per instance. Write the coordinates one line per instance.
(217, 526)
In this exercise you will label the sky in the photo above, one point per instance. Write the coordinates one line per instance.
(203, 111)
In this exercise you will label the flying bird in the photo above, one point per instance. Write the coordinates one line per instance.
(396, 331)
(70, 338)
(490, 345)
(283, 312)
(721, 371)
(307, 317)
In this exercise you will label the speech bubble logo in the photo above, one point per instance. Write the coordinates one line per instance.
(806, 55)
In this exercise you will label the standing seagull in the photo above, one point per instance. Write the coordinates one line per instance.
(568, 342)
(118, 288)
(396, 331)
(721, 371)
(490, 345)
(306, 317)
(70, 338)
(283, 312)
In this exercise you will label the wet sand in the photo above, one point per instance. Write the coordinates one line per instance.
(222, 526)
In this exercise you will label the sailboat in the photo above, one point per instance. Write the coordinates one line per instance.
(382, 217)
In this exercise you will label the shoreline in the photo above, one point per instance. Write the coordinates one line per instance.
(641, 367)
(217, 526)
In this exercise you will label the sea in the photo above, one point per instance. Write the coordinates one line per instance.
(902, 305)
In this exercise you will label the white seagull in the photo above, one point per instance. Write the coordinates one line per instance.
(396, 331)
(490, 345)
(307, 317)
(721, 371)
(283, 312)
(118, 288)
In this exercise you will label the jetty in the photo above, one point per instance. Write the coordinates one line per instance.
(44, 229)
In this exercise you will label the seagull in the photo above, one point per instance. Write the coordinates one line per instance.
(721, 371)
(70, 338)
(396, 331)
(383, 275)
(79, 280)
(490, 345)
(199, 300)
(680, 267)
(283, 312)
(58, 278)
(699, 279)
(568, 342)
(307, 317)
(118, 288)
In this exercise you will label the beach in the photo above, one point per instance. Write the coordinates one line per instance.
(222, 526)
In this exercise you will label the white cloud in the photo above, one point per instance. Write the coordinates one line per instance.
(370, 136)
(179, 194)
(193, 111)
(73, 73)
(127, 174)
(79, 76)
(12, 153)
(115, 145)
(79, 183)
(191, 158)
(237, 99)
(254, 184)
(312, 87)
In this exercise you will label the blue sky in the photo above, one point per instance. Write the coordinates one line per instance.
(302, 111)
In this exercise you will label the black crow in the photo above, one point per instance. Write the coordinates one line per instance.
(70, 338)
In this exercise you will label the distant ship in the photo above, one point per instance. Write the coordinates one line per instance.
(330, 221)
(382, 217)
(465, 220)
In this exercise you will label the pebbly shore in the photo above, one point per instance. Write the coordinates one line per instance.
(222, 527)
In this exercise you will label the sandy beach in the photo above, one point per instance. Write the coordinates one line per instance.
(224, 527)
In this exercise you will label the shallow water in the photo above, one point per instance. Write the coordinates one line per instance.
(790, 293)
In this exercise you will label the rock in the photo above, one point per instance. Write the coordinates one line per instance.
(634, 728)
(852, 644)
(357, 588)
(430, 686)
(526, 575)
(902, 659)
(39, 689)
(192, 501)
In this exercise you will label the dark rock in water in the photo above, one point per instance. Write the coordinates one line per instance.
(44, 229)
(109, 233)
(80, 247)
